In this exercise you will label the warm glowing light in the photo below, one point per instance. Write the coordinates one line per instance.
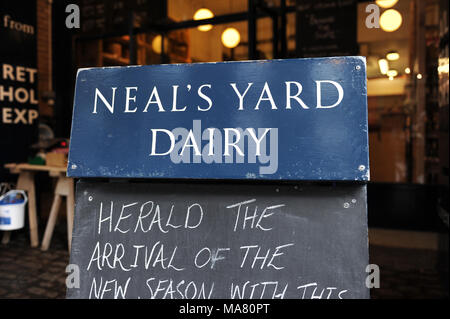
(443, 66)
(393, 56)
(202, 14)
(384, 66)
(156, 44)
(390, 20)
(386, 3)
(443, 69)
(419, 76)
(391, 78)
(392, 73)
(231, 37)
(407, 70)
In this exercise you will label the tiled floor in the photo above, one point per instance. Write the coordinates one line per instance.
(30, 273)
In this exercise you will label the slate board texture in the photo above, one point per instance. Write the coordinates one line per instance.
(320, 232)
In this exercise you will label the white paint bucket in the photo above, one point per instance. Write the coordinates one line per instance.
(12, 213)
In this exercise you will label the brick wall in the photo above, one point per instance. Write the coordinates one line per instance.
(43, 20)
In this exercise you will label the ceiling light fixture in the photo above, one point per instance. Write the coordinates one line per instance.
(202, 14)
(393, 56)
(386, 3)
(391, 20)
(392, 73)
(157, 45)
(231, 37)
(384, 66)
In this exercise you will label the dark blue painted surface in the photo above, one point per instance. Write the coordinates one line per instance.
(312, 144)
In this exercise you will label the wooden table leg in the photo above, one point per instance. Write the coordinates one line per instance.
(26, 183)
(51, 222)
(64, 187)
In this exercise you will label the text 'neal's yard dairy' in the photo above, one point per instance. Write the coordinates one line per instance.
(212, 144)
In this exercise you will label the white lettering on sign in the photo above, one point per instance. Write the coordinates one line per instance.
(17, 95)
(144, 102)
(227, 145)
(218, 146)
(169, 264)
(312, 291)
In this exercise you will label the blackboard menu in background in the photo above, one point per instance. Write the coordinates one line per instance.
(326, 28)
(92, 16)
(106, 16)
(231, 241)
(18, 81)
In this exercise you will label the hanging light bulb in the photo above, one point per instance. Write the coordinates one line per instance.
(386, 3)
(156, 44)
(202, 14)
(391, 20)
(407, 70)
(231, 37)
(384, 66)
(393, 56)
(392, 73)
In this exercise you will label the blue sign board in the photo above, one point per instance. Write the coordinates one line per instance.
(297, 119)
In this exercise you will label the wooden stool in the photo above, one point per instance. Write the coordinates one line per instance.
(26, 183)
(64, 187)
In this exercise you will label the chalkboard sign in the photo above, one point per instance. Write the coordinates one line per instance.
(326, 28)
(298, 119)
(301, 120)
(233, 241)
(106, 16)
